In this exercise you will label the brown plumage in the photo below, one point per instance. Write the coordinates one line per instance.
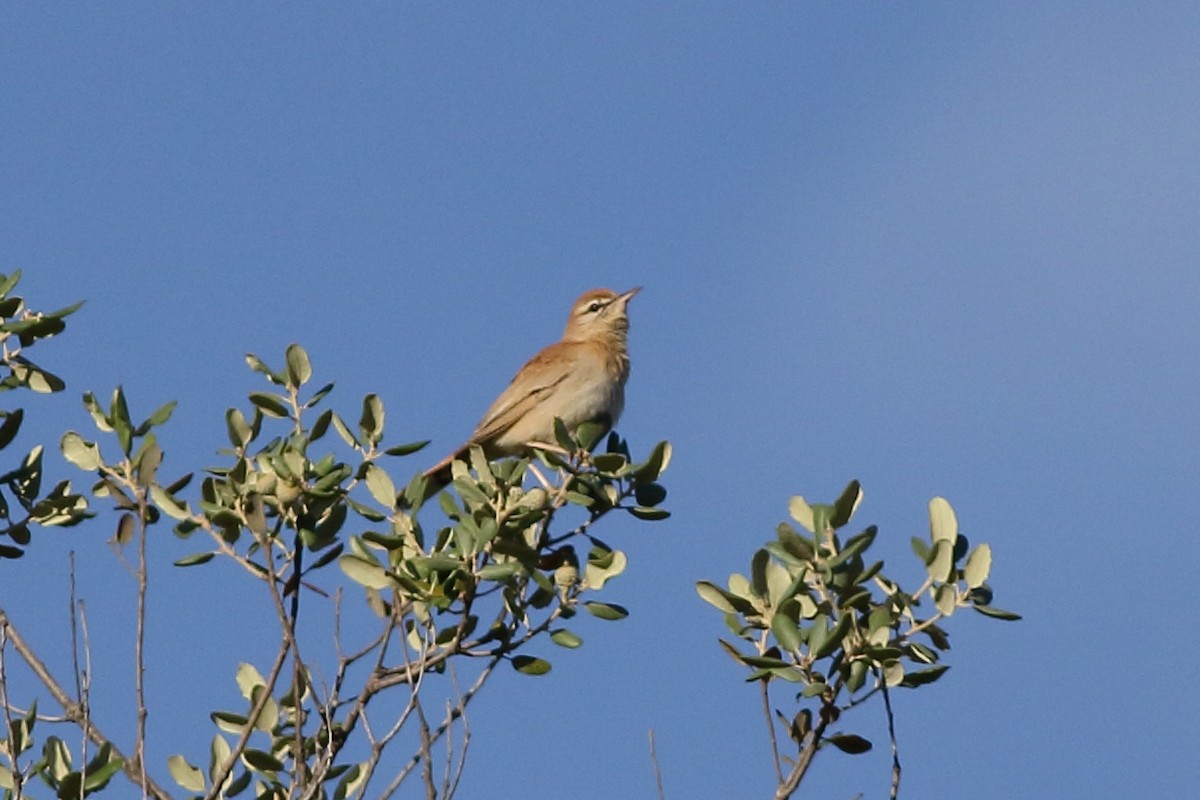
(580, 378)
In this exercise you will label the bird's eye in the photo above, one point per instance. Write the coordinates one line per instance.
(594, 307)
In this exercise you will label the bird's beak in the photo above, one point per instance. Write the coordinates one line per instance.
(627, 296)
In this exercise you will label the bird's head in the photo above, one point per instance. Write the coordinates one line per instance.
(599, 313)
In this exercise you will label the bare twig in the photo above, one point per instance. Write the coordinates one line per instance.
(766, 701)
(658, 781)
(891, 719)
(18, 777)
(140, 641)
(80, 680)
(130, 766)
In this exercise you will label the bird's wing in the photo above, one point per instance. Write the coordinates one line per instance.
(531, 385)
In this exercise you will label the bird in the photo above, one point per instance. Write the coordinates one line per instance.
(580, 378)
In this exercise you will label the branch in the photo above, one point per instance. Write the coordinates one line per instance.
(132, 767)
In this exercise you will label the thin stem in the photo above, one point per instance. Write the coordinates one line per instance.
(891, 720)
(766, 701)
(74, 712)
(140, 641)
(658, 780)
(18, 777)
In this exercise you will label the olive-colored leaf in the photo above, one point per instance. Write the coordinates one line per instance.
(529, 665)
(996, 613)
(648, 514)
(406, 449)
(923, 676)
(786, 632)
(564, 638)
(238, 429)
(10, 426)
(943, 525)
(849, 743)
(802, 512)
(80, 452)
(655, 465)
(370, 424)
(126, 527)
(168, 504)
(185, 774)
(218, 753)
(941, 562)
(608, 611)
(195, 559)
(365, 573)
(978, 565)
(299, 368)
(270, 404)
(722, 600)
(380, 485)
(261, 761)
(258, 365)
(846, 505)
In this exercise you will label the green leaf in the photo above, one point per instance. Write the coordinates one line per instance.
(978, 565)
(649, 494)
(7, 284)
(405, 449)
(648, 514)
(168, 504)
(379, 483)
(603, 565)
(589, 434)
(238, 429)
(786, 632)
(943, 525)
(758, 572)
(79, 451)
(218, 751)
(270, 404)
(923, 676)
(344, 432)
(564, 638)
(365, 573)
(10, 426)
(248, 679)
(723, 600)
(126, 527)
(614, 462)
(195, 559)
(996, 613)
(299, 368)
(257, 365)
(849, 743)
(159, 417)
(530, 665)
(501, 572)
(229, 722)
(607, 611)
(802, 512)
(941, 563)
(98, 415)
(370, 424)
(183, 773)
(655, 465)
(261, 761)
(846, 505)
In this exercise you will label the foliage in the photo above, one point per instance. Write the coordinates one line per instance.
(500, 572)
(306, 506)
(20, 329)
(814, 614)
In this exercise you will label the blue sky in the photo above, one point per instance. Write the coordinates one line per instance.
(943, 248)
